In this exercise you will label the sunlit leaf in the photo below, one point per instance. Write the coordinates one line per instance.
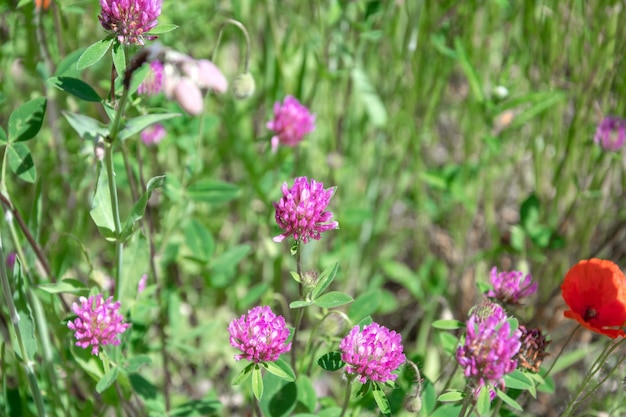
(94, 53)
(25, 121)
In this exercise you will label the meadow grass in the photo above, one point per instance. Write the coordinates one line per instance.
(459, 135)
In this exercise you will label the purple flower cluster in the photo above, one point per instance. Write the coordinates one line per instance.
(509, 287)
(372, 353)
(153, 83)
(611, 133)
(99, 322)
(301, 211)
(291, 122)
(260, 335)
(129, 20)
(152, 135)
(489, 351)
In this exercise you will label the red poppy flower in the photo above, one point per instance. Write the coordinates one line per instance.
(595, 291)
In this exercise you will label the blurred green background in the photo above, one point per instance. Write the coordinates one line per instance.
(459, 135)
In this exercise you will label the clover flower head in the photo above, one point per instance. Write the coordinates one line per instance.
(611, 133)
(595, 292)
(511, 286)
(153, 134)
(533, 349)
(153, 83)
(260, 335)
(99, 322)
(486, 309)
(130, 20)
(372, 353)
(301, 212)
(291, 122)
(489, 351)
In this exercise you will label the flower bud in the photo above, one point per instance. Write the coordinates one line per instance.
(243, 86)
(189, 96)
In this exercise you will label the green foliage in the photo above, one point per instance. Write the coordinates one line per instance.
(458, 136)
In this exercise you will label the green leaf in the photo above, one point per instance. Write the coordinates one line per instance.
(295, 276)
(162, 28)
(67, 66)
(300, 304)
(196, 408)
(536, 109)
(26, 322)
(508, 400)
(107, 380)
(529, 214)
(548, 386)
(325, 279)
(199, 241)
(333, 299)
(76, 87)
(364, 305)
(448, 341)
(306, 393)
(65, 286)
(3, 137)
(281, 369)
(448, 324)
(243, 375)
(518, 380)
(136, 362)
(253, 295)
(570, 358)
(25, 121)
(135, 125)
(401, 274)
(368, 97)
(214, 192)
(94, 53)
(139, 208)
(21, 162)
(101, 210)
(381, 400)
(450, 396)
(119, 59)
(86, 127)
(230, 259)
(470, 72)
(331, 361)
(483, 403)
(257, 383)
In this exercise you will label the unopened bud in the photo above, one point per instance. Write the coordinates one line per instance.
(98, 148)
(309, 280)
(243, 86)
(413, 404)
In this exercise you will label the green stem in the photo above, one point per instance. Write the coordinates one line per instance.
(597, 365)
(15, 318)
(300, 311)
(569, 339)
(346, 399)
(468, 400)
(243, 29)
(307, 348)
(119, 244)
